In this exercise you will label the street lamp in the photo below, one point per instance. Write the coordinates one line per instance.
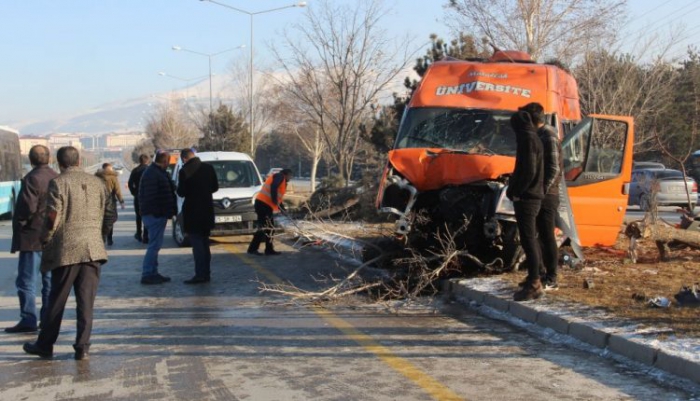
(208, 56)
(251, 14)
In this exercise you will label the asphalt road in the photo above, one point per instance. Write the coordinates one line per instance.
(228, 341)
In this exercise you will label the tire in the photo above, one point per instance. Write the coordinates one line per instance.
(512, 253)
(179, 235)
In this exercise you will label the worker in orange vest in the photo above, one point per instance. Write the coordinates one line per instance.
(267, 202)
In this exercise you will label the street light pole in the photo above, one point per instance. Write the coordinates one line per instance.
(252, 14)
(209, 57)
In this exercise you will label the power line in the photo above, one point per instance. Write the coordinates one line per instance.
(647, 29)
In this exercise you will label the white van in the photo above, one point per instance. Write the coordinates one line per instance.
(239, 181)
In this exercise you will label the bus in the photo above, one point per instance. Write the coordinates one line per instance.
(10, 170)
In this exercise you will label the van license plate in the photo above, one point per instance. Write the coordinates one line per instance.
(228, 219)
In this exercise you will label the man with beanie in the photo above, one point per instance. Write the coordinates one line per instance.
(525, 189)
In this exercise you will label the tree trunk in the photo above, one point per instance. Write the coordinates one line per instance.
(314, 168)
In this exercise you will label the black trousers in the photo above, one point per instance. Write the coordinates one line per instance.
(526, 212)
(83, 278)
(139, 223)
(548, 241)
(266, 225)
(201, 251)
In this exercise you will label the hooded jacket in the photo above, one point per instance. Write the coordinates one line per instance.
(527, 181)
(111, 180)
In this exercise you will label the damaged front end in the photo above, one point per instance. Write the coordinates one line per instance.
(475, 218)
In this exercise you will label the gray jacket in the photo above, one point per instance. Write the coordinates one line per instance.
(78, 210)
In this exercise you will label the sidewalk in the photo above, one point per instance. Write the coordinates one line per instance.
(608, 333)
(680, 357)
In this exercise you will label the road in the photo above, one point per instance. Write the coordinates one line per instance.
(228, 341)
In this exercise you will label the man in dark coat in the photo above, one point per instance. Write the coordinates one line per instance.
(552, 162)
(525, 189)
(134, 181)
(78, 212)
(157, 203)
(196, 183)
(27, 223)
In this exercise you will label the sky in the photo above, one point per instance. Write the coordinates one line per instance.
(62, 57)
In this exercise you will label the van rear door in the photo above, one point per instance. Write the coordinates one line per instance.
(597, 157)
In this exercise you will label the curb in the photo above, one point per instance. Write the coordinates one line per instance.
(459, 290)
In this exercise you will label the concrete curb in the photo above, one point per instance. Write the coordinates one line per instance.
(459, 290)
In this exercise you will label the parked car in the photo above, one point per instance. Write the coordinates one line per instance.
(239, 181)
(643, 165)
(671, 188)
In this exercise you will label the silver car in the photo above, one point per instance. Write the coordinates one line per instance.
(671, 190)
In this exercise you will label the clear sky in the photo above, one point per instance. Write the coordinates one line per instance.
(67, 56)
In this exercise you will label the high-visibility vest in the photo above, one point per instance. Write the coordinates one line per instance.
(265, 193)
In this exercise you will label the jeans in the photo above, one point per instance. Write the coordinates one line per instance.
(27, 270)
(526, 214)
(548, 241)
(83, 278)
(202, 254)
(156, 231)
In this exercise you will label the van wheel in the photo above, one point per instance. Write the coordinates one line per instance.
(512, 253)
(179, 235)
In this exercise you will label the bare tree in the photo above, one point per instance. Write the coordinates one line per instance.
(265, 121)
(168, 128)
(341, 63)
(544, 28)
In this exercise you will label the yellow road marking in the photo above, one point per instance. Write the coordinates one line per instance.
(429, 384)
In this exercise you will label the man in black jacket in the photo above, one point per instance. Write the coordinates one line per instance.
(157, 203)
(134, 181)
(552, 162)
(525, 189)
(196, 183)
(27, 225)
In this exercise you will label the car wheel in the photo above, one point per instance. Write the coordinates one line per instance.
(179, 234)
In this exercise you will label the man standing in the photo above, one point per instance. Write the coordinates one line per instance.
(134, 180)
(27, 223)
(78, 210)
(111, 180)
(157, 203)
(196, 183)
(525, 189)
(268, 201)
(552, 161)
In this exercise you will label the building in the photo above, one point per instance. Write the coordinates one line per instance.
(126, 140)
(26, 143)
(59, 140)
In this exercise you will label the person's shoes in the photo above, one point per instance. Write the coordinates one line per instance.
(252, 252)
(155, 279)
(272, 252)
(137, 237)
(33, 349)
(21, 329)
(550, 285)
(197, 280)
(110, 242)
(531, 290)
(81, 355)
(164, 278)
